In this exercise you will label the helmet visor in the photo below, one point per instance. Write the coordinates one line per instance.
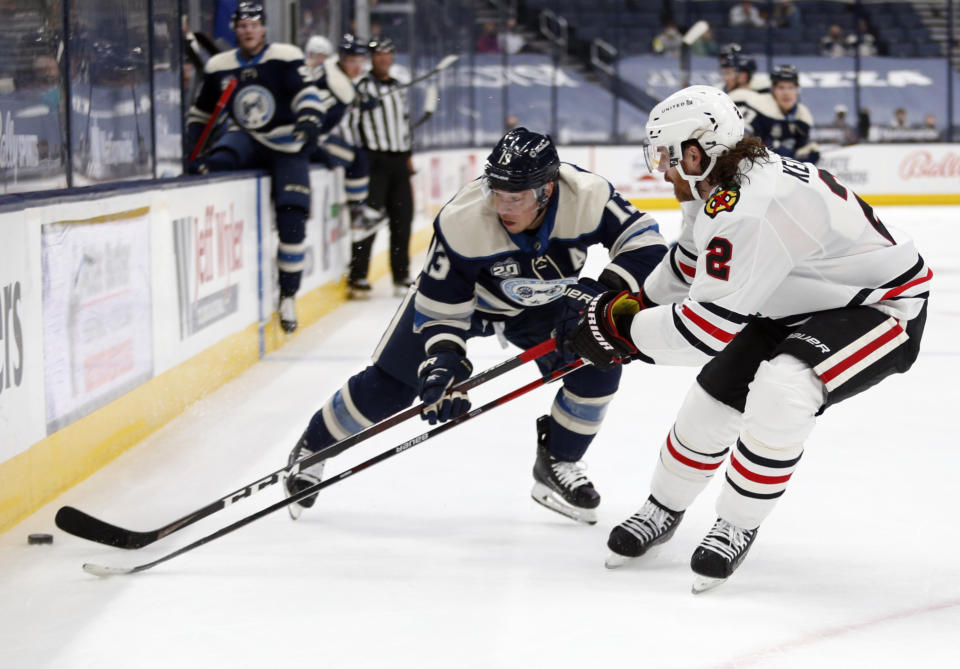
(656, 157)
(509, 204)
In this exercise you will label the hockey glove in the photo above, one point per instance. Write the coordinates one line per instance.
(603, 334)
(367, 102)
(576, 298)
(307, 130)
(438, 373)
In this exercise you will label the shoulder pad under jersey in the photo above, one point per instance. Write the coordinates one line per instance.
(338, 82)
(286, 52)
(225, 60)
(583, 197)
(470, 228)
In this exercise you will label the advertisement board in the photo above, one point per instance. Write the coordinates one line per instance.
(97, 333)
(21, 356)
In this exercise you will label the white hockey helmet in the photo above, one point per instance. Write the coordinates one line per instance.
(319, 44)
(702, 113)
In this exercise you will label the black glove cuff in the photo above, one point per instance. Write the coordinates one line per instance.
(446, 345)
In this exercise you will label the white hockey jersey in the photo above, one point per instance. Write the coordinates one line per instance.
(789, 242)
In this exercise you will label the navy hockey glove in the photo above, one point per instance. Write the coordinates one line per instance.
(576, 298)
(438, 373)
(307, 130)
(603, 334)
(367, 102)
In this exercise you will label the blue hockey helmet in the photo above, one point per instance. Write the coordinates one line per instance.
(247, 10)
(786, 73)
(731, 55)
(352, 46)
(382, 45)
(522, 160)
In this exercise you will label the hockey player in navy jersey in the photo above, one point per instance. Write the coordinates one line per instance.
(505, 258)
(791, 290)
(274, 112)
(781, 121)
(337, 145)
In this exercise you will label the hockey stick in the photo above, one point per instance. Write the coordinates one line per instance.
(101, 570)
(83, 525)
(444, 63)
(221, 103)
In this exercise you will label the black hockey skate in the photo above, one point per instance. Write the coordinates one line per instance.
(299, 479)
(719, 554)
(653, 524)
(562, 486)
(359, 289)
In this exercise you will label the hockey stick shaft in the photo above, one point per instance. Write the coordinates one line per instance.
(221, 103)
(444, 63)
(100, 570)
(83, 525)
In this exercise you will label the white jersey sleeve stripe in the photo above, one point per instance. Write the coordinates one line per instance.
(704, 325)
(860, 354)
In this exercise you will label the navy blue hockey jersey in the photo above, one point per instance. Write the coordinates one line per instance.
(274, 89)
(475, 265)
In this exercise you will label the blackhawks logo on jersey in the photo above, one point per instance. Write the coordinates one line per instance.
(722, 200)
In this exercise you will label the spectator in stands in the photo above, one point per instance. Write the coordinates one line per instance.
(868, 43)
(669, 41)
(899, 119)
(487, 41)
(863, 123)
(705, 46)
(510, 123)
(833, 43)
(847, 133)
(745, 14)
(510, 40)
(786, 15)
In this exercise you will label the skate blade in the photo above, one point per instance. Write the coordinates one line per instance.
(705, 583)
(615, 560)
(359, 234)
(544, 496)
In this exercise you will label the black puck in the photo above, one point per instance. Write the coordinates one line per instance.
(40, 539)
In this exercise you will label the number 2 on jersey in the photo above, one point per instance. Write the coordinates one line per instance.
(719, 253)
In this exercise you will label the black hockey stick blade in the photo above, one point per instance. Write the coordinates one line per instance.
(102, 570)
(83, 525)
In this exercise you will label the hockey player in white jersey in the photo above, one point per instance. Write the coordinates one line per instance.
(791, 290)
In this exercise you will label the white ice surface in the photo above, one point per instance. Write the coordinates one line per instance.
(438, 557)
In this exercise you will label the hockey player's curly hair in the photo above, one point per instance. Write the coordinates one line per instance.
(727, 173)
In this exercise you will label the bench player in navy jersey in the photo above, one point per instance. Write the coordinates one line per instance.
(791, 290)
(505, 259)
(273, 113)
(781, 121)
(339, 147)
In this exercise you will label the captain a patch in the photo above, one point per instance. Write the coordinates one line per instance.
(722, 200)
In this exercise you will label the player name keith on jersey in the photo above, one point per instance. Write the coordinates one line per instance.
(274, 89)
(474, 264)
(792, 241)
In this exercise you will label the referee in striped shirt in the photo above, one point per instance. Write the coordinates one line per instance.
(384, 130)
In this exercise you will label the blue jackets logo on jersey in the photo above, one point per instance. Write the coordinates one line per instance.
(722, 200)
(253, 107)
(533, 292)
